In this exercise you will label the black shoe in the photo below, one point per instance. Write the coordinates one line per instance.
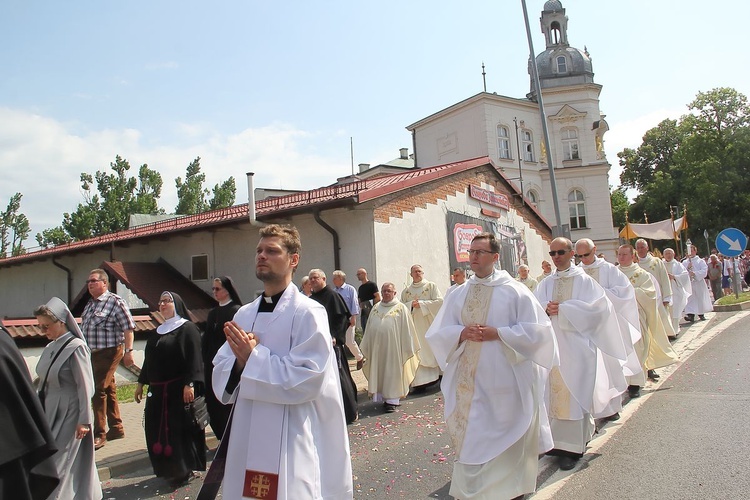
(653, 375)
(701, 317)
(634, 391)
(567, 463)
(690, 318)
(389, 408)
(613, 418)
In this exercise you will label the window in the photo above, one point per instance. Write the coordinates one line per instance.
(527, 143)
(533, 197)
(199, 267)
(503, 142)
(570, 144)
(577, 209)
(562, 64)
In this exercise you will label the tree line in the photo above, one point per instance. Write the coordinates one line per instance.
(700, 161)
(109, 199)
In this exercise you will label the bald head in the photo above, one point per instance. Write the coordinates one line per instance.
(586, 251)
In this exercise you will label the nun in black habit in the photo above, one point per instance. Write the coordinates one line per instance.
(27, 471)
(173, 370)
(213, 338)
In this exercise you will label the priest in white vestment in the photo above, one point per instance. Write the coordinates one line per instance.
(590, 374)
(621, 293)
(458, 276)
(288, 431)
(655, 267)
(496, 346)
(700, 301)
(390, 344)
(546, 271)
(523, 277)
(681, 289)
(423, 299)
(654, 349)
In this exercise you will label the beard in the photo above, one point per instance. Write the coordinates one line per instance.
(267, 276)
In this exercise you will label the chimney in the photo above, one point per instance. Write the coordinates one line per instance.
(363, 167)
(404, 153)
(251, 200)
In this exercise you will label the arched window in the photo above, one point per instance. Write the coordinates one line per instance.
(562, 64)
(555, 32)
(570, 143)
(503, 142)
(533, 197)
(577, 209)
(527, 144)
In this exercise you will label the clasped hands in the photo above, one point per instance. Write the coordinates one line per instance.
(479, 333)
(553, 308)
(241, 342)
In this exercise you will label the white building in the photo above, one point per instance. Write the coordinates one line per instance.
(509, 131)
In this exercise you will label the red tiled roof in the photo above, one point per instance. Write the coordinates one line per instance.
(354, 192)
(29, 328)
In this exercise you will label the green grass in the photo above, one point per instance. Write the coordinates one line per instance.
(125, 392)
(728, 300)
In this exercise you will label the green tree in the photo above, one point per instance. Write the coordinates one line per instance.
(191, 195)
(53, 237)
(14, 228)
(619, 201)
(224, 194)
(702, 161)
(108, 208)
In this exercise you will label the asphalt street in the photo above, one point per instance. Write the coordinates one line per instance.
(685, 438)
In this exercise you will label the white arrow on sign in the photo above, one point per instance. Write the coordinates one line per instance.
(733, 244)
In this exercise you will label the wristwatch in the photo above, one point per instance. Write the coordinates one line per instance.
(130, 349)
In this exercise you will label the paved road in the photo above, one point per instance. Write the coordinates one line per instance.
(688, 440)
(683, 440)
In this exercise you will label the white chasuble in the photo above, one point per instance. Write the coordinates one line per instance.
(288, 414)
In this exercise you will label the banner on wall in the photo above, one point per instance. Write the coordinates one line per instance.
(462, 229)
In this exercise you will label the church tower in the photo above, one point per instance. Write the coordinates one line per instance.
(560, 64)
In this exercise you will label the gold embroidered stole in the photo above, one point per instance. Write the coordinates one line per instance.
(559, 395)
(474, 312)
(593, 272)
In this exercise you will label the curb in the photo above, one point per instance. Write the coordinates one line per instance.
(136, 460)
(742, 306)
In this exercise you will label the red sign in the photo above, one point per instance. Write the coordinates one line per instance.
(489, 197)
(462, 236)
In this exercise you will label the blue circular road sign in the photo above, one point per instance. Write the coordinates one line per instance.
(731, 242)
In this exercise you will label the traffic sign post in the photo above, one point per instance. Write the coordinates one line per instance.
(732, 242)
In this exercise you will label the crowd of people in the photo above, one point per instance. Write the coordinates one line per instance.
(525, 366)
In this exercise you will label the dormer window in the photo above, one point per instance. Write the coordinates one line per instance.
(562, 64)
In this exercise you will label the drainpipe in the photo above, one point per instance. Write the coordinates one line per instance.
(251, 201)
(70, 278)
(336, 252)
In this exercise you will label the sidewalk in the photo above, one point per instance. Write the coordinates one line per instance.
(129, 454)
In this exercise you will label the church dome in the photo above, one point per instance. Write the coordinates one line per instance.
(577, 62)
(553, 6)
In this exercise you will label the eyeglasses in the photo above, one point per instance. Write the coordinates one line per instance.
(163, 302)
(558, 252)
(216, 288)
(480, 252)
(92, 281)
(580, 256)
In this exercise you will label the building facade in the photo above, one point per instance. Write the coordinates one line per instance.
(509, 131)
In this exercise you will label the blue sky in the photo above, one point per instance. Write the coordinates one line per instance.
(279, 88)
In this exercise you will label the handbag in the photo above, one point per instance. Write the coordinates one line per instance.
(197, 412)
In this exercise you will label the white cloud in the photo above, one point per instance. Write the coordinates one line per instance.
(629, 134)
(43, 159)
